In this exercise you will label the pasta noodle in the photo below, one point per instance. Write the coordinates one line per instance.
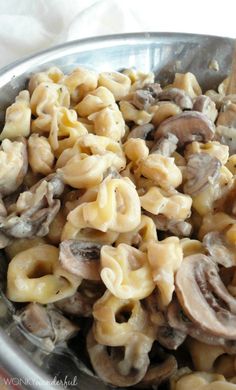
(165, 258)
(117, 83)
(125, 272)
(41, 157)
(18, 118)
(187, 82)
(34, 275)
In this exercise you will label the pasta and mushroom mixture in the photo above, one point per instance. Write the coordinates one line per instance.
(118, 208)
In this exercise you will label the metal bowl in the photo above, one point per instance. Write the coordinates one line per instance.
(163, 53)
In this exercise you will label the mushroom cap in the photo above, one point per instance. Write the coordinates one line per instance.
(141, 131)
(205, 105)
(178, 96)
(179, 321)
(81, 258)
(188, 126)
(204, 297)
(202, 170)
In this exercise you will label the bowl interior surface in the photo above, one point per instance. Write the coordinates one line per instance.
(164, 54)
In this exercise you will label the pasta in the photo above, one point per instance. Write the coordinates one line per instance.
(34, 275)
(165, 258)
(41, 157)
(118, 211)
(18, 118)
(125, 272)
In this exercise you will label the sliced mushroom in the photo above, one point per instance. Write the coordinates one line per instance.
(226, 136)
(170, 338)
(141, 131)
(179, 321)
(166, 145)
(34, 210)
(81, 303)
(178, 96)
(219, 250)
(142, 99)
(177, 227)
(205, 105)
(204, 297)
(46, 323)
(158, 373)
(107, 367)
(202, 170)
(227, 115)
(81, 258)
(188, 127)
(154, 88)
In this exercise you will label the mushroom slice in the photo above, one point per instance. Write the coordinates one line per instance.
(45, 322)
(166, 145)
(205, 105)
(158, 373)
(169, 337)
(108, 366)
(188, 127)
(219, 250)
(154, 88)
(175, 226)
(178, 96)
(142, 99)
(179, 321)
(141, 131)
(204, 297)
(81, 258)
(202, 170)
(81, 303)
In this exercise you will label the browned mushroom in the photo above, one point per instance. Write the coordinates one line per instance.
(142, 99)
(107, 366)
(179, 321)
(204, 297)
(45, 322)
(158, 373)
(34, 210)
(178, 96)
(202, 170)
(81, 258)
(166, 145)
(154, 88)
(141, 131)
(188, 126)
(177, 227)
(81, 303)
(205, 105)
(219, 250)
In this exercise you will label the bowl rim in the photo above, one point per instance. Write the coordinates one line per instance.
(14, 360)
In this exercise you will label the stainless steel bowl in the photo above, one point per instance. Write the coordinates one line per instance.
(163, 53)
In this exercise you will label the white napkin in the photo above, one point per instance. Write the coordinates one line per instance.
(27, 26)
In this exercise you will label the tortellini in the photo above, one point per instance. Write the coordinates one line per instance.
(34, 275)
(18, 118)
(14, 165)
(65, 130)
(95, 101)
(187, 82)
(85, 164)
(174, 205)
(118, 83)
(79, 82)
(41, 157)
(116, 208)
(108, 122)
(162, 170)
(126, 273)
(130, 113)
(165, 258)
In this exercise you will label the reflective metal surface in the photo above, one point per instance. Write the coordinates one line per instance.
(163, 53)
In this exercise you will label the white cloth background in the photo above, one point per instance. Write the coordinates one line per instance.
(27, 26)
